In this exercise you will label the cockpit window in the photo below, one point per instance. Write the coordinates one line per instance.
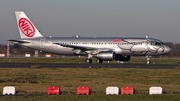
(159, 42)
(155, 43)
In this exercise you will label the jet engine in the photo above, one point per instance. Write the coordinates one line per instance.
(106, 55)
(122, 57)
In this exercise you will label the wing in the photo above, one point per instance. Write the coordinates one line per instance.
(84, 48)
(75, 46)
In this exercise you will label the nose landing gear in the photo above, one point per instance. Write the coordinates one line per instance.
(148, 60)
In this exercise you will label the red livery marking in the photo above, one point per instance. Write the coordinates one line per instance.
(26, 27)
(116, 40)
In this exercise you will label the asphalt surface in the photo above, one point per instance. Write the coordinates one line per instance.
(85, 65)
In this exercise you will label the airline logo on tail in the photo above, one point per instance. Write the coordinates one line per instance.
(26, 27)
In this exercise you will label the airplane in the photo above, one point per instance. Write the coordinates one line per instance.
(102, 48)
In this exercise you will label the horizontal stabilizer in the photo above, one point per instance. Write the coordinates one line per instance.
(19, 41)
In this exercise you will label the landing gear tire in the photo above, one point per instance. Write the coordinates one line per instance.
(99, 61)
(149, 62)
(88, 60)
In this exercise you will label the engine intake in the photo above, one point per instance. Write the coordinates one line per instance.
(106, 55)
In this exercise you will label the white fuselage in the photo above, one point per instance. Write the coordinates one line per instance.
(123, 46)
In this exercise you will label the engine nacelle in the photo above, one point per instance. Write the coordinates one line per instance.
(79, 52)
(106, 55)
(122, 58)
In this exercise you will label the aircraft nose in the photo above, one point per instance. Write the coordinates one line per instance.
(167, 49)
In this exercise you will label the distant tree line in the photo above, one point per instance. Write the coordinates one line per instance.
(175, 52)
(20, 50)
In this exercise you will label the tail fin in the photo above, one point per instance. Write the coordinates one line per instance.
(26, 27)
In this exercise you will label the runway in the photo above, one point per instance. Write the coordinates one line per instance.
(85, 65)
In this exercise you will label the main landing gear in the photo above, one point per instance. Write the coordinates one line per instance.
(90, 61)
(99, 61)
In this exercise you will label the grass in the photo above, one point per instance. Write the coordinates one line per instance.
(94, 98)
(35, 81)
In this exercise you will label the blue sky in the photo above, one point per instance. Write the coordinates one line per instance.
(106, 18)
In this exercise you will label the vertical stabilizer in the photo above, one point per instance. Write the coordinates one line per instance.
(25, 26)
